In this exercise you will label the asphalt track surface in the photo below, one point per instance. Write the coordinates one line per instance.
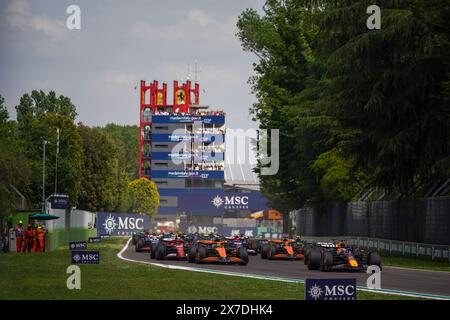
(425, 282)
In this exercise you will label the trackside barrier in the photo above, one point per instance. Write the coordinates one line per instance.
(59, 238)
(432, 251)
(404, 248)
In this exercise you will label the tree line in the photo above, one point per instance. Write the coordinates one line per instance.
(97, 166)
(361, 112)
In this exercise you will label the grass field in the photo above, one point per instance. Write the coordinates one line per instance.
(43, 276)
(413, 263)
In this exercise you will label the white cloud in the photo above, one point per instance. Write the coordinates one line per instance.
(19, 15)
(195, 30)
(199, 17)
(122, 78)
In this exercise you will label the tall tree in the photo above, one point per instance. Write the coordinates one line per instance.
(104, 184)
(38, 117)
(14, 172)
(127, 140)
(144, 196)
(287, 83)
(386, 87)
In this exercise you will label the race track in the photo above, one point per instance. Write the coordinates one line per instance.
(434, 283)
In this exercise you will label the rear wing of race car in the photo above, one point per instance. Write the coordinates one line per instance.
(326, 244)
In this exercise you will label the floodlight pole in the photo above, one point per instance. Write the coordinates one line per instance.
(44, 143)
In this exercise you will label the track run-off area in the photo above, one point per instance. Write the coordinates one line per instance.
(394, 280)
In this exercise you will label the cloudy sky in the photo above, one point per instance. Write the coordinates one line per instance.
(121, 42)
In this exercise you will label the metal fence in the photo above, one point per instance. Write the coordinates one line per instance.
(403, 247)
(420, 220)
(393, 247)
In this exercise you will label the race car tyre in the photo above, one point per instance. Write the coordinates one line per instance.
(200, 254)
(160, 252)
(306, 251)
(326, 262)
(139, 245)
(314, 259)
(264, 251)
(255, 245)
(153, 248)
(243, 255)
(271, 252)
(191, 254)
(373, 259)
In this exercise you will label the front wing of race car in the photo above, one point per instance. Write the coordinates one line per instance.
(346, 264)
(287, 253)
(220, 255)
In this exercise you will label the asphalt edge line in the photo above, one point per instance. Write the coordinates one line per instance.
(261, 277)
(415, 269)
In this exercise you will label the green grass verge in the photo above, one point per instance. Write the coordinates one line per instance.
(43, 276)
(414, 263)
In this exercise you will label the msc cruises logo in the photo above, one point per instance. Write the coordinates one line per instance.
(217, 201)
(315, 291)
(231, 202)
(110, 224)
(121, 224)
(330, 289)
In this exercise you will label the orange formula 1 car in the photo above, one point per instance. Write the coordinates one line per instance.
(282, 249)
(217, 251)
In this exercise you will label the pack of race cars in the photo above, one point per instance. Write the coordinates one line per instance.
(213, 248)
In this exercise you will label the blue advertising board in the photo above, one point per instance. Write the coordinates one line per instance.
(330, 289)
(200, 156)
(80, 245)
(121, 224)
(186, 137)
(94, 239)
(59, 202)
(85, 257)
(188, 119)
(182, 174)
(201, 228)
(217, 202)
(201, 203)
(245, 231)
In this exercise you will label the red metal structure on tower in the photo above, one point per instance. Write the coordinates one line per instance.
(153, 99)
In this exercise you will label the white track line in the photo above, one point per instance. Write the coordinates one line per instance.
(273, 278)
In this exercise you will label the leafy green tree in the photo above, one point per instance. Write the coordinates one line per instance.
(339, 182)
(287, 83)
(127, 140)
(38, 117)
(144, 196)
(14, 172)
(386, 88)
(104, 185)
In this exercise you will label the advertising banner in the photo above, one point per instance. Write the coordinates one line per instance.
(245, 231)
(330, 289)
(121, 224)
(217, 202)
(188, 119)
(201, 203)
(94, 239)
(85, 257)
(182, 174)
(81, 245)
(59, 202)
(186, 137)
(201, 228)
(199, 156)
